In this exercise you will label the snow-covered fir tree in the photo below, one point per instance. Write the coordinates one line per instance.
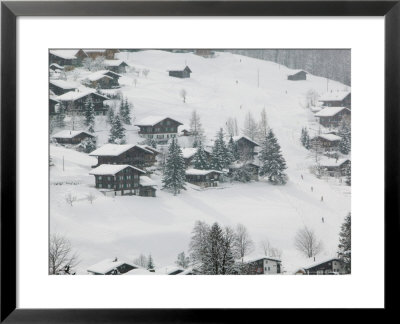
(110, 115)
(242, 173)
(263, 126)
(150, 263)
(88, 145)
(125, 111)
(305, 138)
(200, 158)
(196, 128)
(345, 134)
(89, 114)
(345, 243)
(117, 132)
(233, 150)
(273, 163)
(174, 170)
(347, 173)
(220, 157)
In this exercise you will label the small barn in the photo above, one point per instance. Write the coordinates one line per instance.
(324, 267)
(147, 187)
(184, 73)
(333, 116)
(326, 142)
(158, 128)
(72, 137)
(336, 99)
(122, 179)
(335, 167)
(117, 66)
(263, 265)
(298, 76)
(132, 154)
(111, 267)
(59, 87)
(245, 147)
(203, 178)
(74, 101)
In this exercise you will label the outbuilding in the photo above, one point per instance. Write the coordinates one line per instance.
(180, 73)
(203, 178)
(72, 137)
(298, 76)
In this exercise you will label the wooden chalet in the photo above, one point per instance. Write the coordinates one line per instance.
(189, 152)
(74, 101)
(111, 267)
(104, 79)
(63, 57)
(263, 265)
(158, 128)
(336, 99)
(117, 66)
(251, 168)
(203, 178)
(326, 142)
(53, 104)
(333, 116)
(185, 73)
(325, 267)
(135, 155)
(72, 137)
(59, 87)
(335, 167)
(123, 179)
(298, 76)
(185, 132)
(245, 147)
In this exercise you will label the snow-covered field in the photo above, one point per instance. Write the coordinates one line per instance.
(130, 225)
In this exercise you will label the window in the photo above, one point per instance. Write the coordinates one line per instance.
(100, 185)
(100, 178)
(109, 178)
(121, 177)
(109, 186)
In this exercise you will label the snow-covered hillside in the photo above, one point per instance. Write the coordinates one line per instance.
(219, 88)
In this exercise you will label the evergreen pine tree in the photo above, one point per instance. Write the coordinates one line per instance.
(345, 134)
(214, 252)
(348, 175)
(124, 111)
(220, 157)
(200, 159)
(117, 132)
(233, 150)
(273, 163)
(345, 243)
(89, 114)
(88, 145)
(110, 115)
(305, 138)
(150, 263)
(174, 171)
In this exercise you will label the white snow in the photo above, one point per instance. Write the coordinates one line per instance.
(200, 172)
(64, 84)
(236, 138)
(65, 54)
(75, 95)
(331, 162)
(330, 111)
(113, 62)
(330, 137)
(147, 182)
(107, 265)
(69, 134)
(150, 120)
(112, 169)
(167, 270)
(117, 149)
(139, 271)
(334, 96)
(188, 152)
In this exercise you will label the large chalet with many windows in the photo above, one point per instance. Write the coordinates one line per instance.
(123, 179)
(331, 117)
(336, 99)
(326, 142)
(132, 154)
(263, 265)
(159, 129)
(74, 101)
(330, 266)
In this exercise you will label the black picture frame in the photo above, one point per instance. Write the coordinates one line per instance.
(9, 13)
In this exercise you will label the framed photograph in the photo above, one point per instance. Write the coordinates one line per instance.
(188, 155)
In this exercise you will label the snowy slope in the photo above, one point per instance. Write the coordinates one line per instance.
(127, 226)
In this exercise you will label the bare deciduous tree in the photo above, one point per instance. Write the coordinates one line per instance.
(232, 127)
(70, 198)
(307, 242)
(62, 258)
(183, 94)
(145, 72)
(243, 243)
(269, 250)
(141, 261)
(90, 197)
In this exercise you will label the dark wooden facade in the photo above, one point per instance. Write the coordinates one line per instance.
(77, 106)
(54, 58)
(203, 180)
(326, 268)
(105, 82)
(147, 191)
(161, 131)
(245, 147)
(301, 75)
(185, 73)
(126, 181)
(52, 105)
(335, 120)
(325, 144)
(60, 90)
(264, 266)
(338, 170)
(135, 156)
(121, 68)
(73, 140)
(207, 53)
(345, 102)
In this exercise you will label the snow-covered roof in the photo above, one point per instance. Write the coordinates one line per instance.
(152, 120)
(237, 164)
(97, 76)
(112, 169)
(334, 96)
(330, 111)
(313, 263)
(139, 271)
(298, 71)
(236, 138)
(57, 66)
(167, 270)
(147, 182)
(200, 172)
(70, 134)
(63, 84)
(107, 265)
(188, 152)
(94, 50)
(65, 54)
(329, 137)
(103, 72)
(116, 149)
(75, 95)
(148, 148)
(179, 69)
(331, 162)
(114, 62)
(253, 258)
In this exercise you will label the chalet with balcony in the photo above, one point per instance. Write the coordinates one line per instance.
(53, 104)
(335, 167)
(72, 137)
(329, 266)
(331, 117)
(140, 156)
(298, 76)
(326, 142)
(157, 128)
(336, 99)
(74, 101)
(203, 178)
(245, 147)
(263, 265)
(184, 73)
